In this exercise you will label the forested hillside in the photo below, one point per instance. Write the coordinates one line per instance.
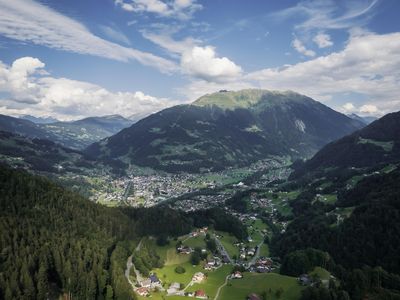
(54, 242)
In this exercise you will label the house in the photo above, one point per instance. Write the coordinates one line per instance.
(262, 269)
(253, 296)
(174, 288)
(142, 291)
(146, 283)
(304, 279)
(198, 277)
(200, 294)
(251, 252)
(237, 275)
(155, 282)
(184, 250)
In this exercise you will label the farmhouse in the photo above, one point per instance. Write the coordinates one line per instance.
(142, 291)
(237, 275)
(174, 288)
(200, 294)
(198, 277)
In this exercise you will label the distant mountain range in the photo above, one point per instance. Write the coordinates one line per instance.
(378, 143)
(227, 129)
(40, 155)
(38, 120)
(365, 120)
(76, 134)
(79, 134)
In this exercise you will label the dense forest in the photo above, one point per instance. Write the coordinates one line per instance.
(367, 241)
(55, 242)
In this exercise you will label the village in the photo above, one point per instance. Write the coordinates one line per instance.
(248, 260)
(146, 189)
(232, 261)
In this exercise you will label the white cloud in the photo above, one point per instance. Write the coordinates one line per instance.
(368, 109)
(29, 21)
(299, 47)
(363, 67)
(195, 60)
(323, 40)
(328, 14)
(179, 9)
(31, 93)
(115, 35)
(348, 107)
(165, 41)
(203, 62)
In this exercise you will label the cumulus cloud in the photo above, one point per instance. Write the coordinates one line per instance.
(368, 109)
(29, 21)
(195, 60)
(364, 66)
(29, 92)
(299, 47)
(203, 62)
(323, 40)
(180, 9)
(348, 108)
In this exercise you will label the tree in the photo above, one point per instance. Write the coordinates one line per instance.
(180, 270)
(109, 292)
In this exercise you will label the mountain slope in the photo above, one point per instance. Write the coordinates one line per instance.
(378, 143)
(40, 155)
(38, 120)
(227, 129)
(23, 127)
(79, 134)
(365, 120)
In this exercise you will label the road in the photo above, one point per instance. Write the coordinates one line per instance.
(219, 289)
(256, 255)
(222, 249)
(129, 265)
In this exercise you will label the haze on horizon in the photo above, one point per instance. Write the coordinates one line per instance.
(74, 59)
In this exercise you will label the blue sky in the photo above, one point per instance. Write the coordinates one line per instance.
(72, 59)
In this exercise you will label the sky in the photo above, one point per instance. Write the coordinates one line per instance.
(71, 59)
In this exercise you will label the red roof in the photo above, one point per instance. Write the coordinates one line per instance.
(200, 293)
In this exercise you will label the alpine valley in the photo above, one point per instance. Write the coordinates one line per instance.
(249, 194)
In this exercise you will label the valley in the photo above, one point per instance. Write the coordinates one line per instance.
(273, 224)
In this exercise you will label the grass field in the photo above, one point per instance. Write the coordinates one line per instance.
(228, 242)
(264, 251)
(168, 275)
(213, 282)
(259, 283)
(197, 241)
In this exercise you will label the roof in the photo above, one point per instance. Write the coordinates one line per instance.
(154, 278)
(253, 296)
(200, 293)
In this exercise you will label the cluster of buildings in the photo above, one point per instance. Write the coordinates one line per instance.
(213, 264)
(149, 284)
(262, 265)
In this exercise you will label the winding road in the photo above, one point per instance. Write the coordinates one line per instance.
(129, 265)
(220, 288)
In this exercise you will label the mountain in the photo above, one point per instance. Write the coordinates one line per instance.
(378, 143)
(76, 134)
(23, 127)
(365, 120)
(40, 155)
(39, 120)
(227, 129)
(79, 134)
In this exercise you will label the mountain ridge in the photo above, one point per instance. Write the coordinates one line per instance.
(204, 135)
